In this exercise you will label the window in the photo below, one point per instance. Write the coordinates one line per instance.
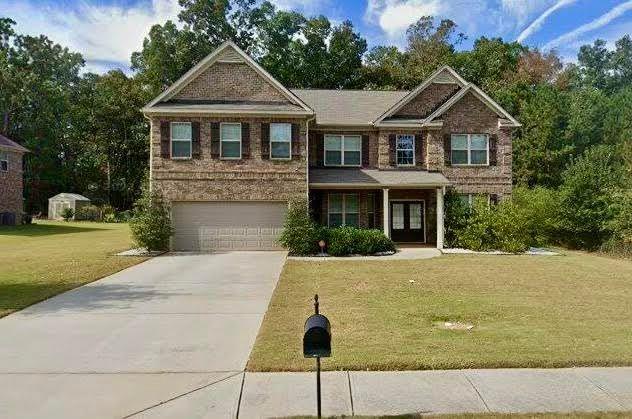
(181, 135)
(280, 141)
(470, 198)
(405, 149)
(370, 209)
(4, 161)
(343, 210)
(470, 149)
(343, 150)
(230, 140)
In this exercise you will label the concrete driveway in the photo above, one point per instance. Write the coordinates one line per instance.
(140, 342)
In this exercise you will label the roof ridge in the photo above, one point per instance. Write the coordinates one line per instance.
(352, 90)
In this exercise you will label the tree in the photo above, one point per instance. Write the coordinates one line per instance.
(384, 68)
(594, 64)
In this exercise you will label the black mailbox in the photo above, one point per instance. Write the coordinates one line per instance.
(317, 337)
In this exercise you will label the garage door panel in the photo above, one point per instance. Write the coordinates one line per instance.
(208, 226)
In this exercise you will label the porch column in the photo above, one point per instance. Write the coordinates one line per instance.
(385, 213)
(439, 218)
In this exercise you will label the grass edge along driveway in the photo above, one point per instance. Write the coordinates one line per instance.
(47, 258)
(527, 311)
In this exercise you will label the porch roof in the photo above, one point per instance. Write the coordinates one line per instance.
(373, 178)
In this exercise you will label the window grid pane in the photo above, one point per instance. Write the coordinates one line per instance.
(280, 132)
(231, 149)
(398, 216)
(230, 132)
(478, 142)
(181, 131)
(459, 156)
(459, 142)
(280, 150)
(180, 148)
(352, 143)
(415, 216)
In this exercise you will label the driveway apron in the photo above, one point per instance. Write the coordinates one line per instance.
(171, 328)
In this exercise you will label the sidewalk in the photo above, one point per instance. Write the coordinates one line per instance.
(266, 395)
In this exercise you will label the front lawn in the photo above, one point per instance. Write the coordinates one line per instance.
(527, 311)
(40, 260)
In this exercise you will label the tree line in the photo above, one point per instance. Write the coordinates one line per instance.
(88, 135)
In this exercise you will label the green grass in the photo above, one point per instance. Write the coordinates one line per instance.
(527, 311)
(40, 260)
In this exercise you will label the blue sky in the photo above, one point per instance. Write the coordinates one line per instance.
(106, 32)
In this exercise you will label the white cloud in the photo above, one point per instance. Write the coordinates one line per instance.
(101, 33)
(537, 23)
(601, 21)
(519, 11)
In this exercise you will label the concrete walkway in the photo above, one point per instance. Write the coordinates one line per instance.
(155, 331)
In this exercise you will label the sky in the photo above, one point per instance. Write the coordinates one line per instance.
(106, 32)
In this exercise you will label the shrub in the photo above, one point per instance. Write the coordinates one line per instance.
(345, 241)
(300, 234)
(539, 207)
(620, 240)
(27, 219)
(456, 213)
(67, 214)
(150, 223)
(89, 213)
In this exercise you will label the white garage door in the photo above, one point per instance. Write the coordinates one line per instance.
(207, 226)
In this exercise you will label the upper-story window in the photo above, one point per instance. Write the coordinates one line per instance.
(181, 138)
(343, 150)
(405, 149)
(470, 149)
(4, 161)
(280, 141)
(230, 140)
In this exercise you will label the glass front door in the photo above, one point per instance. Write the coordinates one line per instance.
(408, 221)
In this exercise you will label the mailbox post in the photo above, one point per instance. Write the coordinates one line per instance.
(317, 343)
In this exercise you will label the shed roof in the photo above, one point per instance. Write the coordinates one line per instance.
(69, 196)
(348, 107)
(362, 178)
(5, 143)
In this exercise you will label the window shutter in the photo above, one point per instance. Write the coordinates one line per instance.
(265, 141)
(195, 140)
(319, 138)
(165, 139)
(493, 150)
(392, 149)
(296, 142)
(245, 140)
(365, 151)
(447, 149)
(215, 140)
(419, 149)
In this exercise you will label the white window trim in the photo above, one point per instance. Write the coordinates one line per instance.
(342, 151)
(344, 207)
(171, 140)
(405, 149)
(4, 156)
(221, 141)
(469, 150)
(289, 141)
(472, 196)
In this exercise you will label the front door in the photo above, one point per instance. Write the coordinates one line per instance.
(408, 221)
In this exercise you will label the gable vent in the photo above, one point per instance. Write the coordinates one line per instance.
(230, 56)
(445, 78)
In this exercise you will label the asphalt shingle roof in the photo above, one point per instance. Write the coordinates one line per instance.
(6, 143)
(373, 177)
(348, 107)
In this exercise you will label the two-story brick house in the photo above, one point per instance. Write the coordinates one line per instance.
(230, 146)
(11, 183)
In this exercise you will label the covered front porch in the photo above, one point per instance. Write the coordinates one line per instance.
(407, 205)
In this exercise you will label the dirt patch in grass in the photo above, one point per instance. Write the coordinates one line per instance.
(527, 311)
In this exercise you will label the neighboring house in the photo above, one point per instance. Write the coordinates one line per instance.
(11, 183)
(230, 146)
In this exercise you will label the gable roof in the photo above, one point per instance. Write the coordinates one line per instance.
(445, 74)
(5, 144)
(470, 88)
(348, 107)
(227, 52)
(69, 196)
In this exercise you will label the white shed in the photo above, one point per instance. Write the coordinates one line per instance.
(57, 203)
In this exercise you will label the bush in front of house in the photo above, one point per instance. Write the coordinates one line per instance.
(300, 234)
(150, 223)
(89, 213)
(67, 214)
(344, 241)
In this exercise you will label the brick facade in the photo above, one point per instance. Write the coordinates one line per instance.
(433, 96)
(11, 186)
(231, 82)
(209, 178)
